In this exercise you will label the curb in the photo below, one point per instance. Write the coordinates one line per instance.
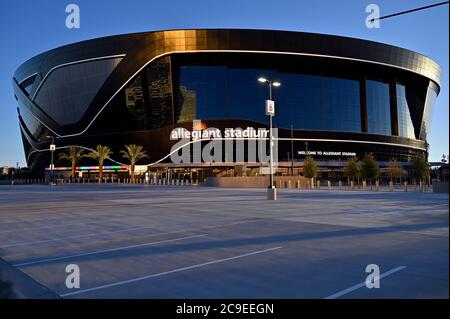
(23, 286)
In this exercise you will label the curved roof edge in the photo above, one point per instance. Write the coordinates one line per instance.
(191, 40)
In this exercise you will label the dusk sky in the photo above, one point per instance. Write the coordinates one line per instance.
(31, 27)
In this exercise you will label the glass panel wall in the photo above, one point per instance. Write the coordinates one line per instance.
(405, 124)
(201, 93)
(378, 107)
(427, 114)
(159, 92)
(304, 101)
(135, 102)
(68, 91)
(38, 131)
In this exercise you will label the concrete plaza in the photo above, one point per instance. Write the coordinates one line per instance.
(145, 241)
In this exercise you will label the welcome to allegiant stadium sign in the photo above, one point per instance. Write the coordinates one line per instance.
(230, 145)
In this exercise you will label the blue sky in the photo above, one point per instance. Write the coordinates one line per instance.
(30, 27)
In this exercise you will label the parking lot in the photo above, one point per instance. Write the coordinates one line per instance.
(146, 241)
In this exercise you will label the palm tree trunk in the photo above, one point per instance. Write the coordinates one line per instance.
(73, 170)
(100, 173)
(132, 173)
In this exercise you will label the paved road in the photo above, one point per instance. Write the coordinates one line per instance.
(138, 241)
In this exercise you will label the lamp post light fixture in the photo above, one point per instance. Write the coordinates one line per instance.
(52, 151)
(270, 111)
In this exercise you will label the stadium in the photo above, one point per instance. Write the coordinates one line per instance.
(339, 96)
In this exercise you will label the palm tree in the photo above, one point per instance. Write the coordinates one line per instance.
(100, 154)
(133, 153)
(73, 155)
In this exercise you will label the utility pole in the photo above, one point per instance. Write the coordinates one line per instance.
(292, 150)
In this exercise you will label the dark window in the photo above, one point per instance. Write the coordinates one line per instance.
(68, 91)
(27, 84)
(201, 93)
(38, 131)
(304, 101)
(135, 102)
(158, 79)
(378, 108)
(319, 103)
(245, 95)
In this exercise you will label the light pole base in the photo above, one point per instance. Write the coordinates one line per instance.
(272, 193)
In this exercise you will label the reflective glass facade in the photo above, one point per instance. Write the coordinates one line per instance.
(68, 91)
(38, 131)
(427, 114)
(405, 124)
(27, 84)
(309, 102)
(378, 107)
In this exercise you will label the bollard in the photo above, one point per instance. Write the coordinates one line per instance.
(312, 183)
(391, 186)
(364, 185)
(406, 186)
(377, 186)
(318, 184)
(297, 184)
(340, 185)
(420, 186)
(329, 185)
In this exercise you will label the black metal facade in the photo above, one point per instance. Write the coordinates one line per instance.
(337, 93)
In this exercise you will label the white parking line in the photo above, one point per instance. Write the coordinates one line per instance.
(73, 237)
(119, 283)
(363, 284)
(52, 226)
(105, 251)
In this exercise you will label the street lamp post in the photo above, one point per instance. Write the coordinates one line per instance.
(52, 151)
(270, 111)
